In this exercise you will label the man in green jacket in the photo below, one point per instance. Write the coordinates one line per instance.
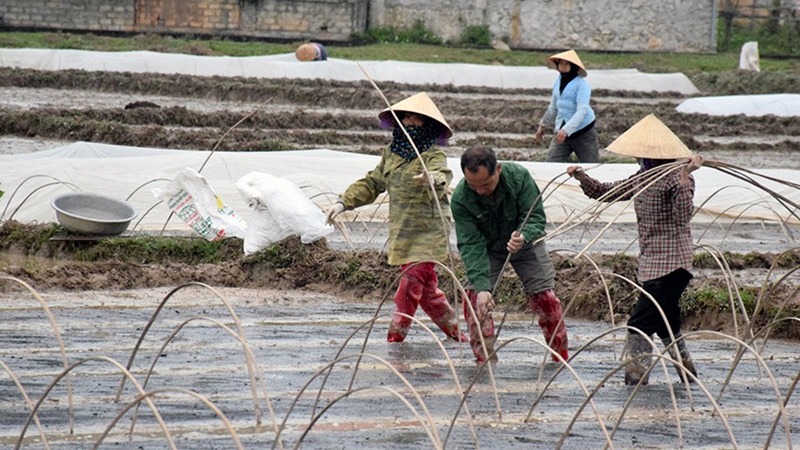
(489, 206)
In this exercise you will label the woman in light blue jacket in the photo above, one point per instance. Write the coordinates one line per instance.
(569, 113)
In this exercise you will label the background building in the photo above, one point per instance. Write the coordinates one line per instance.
(637, 25)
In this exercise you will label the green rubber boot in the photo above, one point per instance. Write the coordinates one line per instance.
(638, 367)
(686, 357)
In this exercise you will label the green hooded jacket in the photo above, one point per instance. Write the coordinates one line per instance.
(487, 223)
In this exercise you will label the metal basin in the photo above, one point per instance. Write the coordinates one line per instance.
(93, 214)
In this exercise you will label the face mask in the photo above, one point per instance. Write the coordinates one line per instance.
(423, 136)
(646, 163)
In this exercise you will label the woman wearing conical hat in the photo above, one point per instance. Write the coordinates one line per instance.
(569, 114)
(416, 232)
(663, 212)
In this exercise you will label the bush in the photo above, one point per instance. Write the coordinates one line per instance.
(476, 36)
(374, 36)
(784, 40)
(417, 34)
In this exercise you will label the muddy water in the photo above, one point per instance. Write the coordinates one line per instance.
(293, 335)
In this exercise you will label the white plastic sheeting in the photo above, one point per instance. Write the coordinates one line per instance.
(786, 105)
(287, 66)
(32, 180)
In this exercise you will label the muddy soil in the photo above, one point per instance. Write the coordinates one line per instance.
(182, 112)
(53, 260)
(105, 300)
(41, 110)
(293, 335)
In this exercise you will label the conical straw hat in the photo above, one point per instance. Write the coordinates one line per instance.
(307, 52)
(570, 56)
(420, 104)
(650, 138)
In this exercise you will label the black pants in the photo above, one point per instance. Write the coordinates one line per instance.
(667, 292)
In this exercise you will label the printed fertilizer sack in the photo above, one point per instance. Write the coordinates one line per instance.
(192, 199)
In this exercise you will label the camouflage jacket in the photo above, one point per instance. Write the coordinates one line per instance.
(416, 231)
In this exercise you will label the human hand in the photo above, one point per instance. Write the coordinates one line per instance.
(334, 211)
(423, 179)
(539, 134)
(694, 163)
(573, 171)
(561, 136)
(484, 305)
(516, 242)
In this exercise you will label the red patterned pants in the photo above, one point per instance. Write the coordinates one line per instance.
(548, 307)
(544, 303)
(419, 288)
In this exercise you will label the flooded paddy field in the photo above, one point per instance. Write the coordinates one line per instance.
(210, 395)
(398, 396)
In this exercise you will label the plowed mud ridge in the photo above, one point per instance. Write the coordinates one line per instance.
(42, 109)
(182, 112)
(298, 303)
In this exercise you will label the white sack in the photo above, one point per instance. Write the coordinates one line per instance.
(748, 58)
(194, 201)
(281, 210)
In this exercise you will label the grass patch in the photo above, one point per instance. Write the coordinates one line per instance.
(277, 256)
(416, 34)
(148, 42)
(776, 40)
(354, 273)
(52, 240)
(151, 250)
(27, 239)
(752, 260)
(710, 299)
